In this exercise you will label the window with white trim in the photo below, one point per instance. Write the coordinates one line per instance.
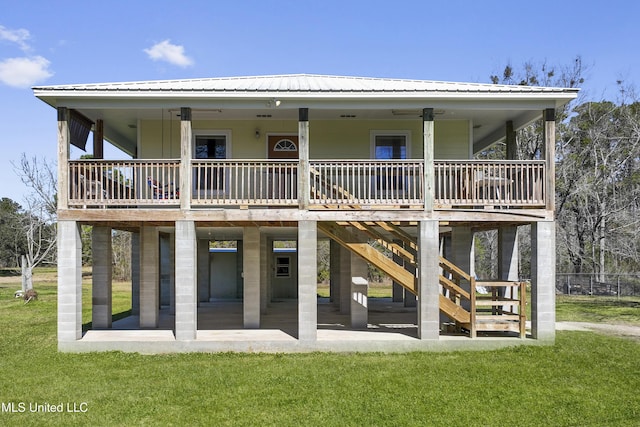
(285, 145)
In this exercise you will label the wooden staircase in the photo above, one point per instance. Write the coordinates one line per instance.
(458, 299)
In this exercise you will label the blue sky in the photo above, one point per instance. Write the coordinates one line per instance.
(61, 42)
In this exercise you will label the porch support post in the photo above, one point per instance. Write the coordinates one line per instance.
(149, 277)
(69, 281)
(185, 158)
(428, 275)
(63, 158)
(550, 156)
(510, 141)
(397, 291)
(304, 191)
(307, 281)
(165, 273)
(251, 273)
(264, 273)
(101, 299)
(508, 260)
(171, 271)
(98, 140)
(334, 272)
(462, 248)
(186, 280)
(508, 253)
(429, 165)
(204, 283)
(135, 273)
(463, 254)
(543, 280)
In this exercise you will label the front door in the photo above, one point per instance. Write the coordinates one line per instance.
(283, 181)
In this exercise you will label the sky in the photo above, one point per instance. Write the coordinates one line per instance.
(68, 42)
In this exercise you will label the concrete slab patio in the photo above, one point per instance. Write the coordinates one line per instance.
(391, 328)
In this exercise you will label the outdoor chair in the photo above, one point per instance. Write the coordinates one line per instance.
(166, 191)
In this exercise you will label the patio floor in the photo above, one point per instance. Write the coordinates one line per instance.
(391, 328)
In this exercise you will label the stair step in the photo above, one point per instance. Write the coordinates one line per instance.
(489, 303)
(497, 317)
(497, 327)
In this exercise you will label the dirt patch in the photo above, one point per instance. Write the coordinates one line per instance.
(620, 330)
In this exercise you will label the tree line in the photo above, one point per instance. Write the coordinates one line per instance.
(597, 176)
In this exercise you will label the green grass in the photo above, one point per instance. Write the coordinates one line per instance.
(586, 379)
(578, 308)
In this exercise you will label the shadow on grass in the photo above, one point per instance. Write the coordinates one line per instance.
(10, 272)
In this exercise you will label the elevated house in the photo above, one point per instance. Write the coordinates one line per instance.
(381, 168)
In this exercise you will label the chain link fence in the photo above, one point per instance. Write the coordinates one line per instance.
(594, 284)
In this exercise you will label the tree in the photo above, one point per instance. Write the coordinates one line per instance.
(597, 171)
(39, 220)
(12, 240)
(530, 138)
(598, 186)
(529, 144)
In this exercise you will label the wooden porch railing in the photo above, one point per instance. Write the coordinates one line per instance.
(366, 182)
(245, 182)
(101, 183)
(504, 183)
(386, 184)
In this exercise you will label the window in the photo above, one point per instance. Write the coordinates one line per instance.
(390, 145)
(285, 145)
(210, 145)
(282, 266)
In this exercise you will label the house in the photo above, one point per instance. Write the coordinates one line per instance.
(304, 159)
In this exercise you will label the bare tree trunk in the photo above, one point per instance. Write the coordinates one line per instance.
(602, 250)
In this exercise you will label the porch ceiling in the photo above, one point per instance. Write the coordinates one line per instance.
(488, 123)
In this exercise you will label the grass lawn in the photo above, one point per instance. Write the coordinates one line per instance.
(598, 309)
(586, 379)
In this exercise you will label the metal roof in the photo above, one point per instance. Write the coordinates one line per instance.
(301, 84)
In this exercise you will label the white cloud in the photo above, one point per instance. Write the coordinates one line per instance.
(24, 72)
(165, 51)
(18, 37)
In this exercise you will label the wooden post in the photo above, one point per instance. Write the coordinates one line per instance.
(510, 141)
(429, 165)
(185, 158)
(550, 156)
(304, 191)
(63, 157)
(98, 140)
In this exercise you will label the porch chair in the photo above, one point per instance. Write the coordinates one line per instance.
(166, 191)
(92, 189)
